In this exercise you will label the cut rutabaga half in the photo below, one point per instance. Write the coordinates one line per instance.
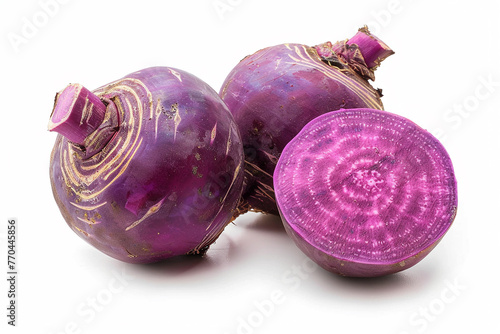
(365, 192)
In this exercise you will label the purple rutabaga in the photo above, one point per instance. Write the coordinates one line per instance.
(365, 192)
(147, 167)
(274, 92)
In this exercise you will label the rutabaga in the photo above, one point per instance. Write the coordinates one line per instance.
(365, 192)
(147, 167)
(274, 92)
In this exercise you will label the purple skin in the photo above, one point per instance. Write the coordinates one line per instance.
(365, 192)
(274, 92)
(157, 173)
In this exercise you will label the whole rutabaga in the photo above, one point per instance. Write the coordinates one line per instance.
(274, 92)
(365, 192)
(147, 167)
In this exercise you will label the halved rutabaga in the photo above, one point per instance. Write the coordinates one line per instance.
(365, 192)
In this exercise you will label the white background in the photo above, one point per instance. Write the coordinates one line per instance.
(445, 76)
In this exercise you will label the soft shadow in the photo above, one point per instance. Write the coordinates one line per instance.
(263, 222)
(212, 260)
(368, 285)
(221, 254)
(176, 265)
(408, 282)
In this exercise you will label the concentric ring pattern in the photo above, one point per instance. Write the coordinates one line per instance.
(366, 186)
(88, 178)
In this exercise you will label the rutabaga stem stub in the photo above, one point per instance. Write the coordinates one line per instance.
(77, 113)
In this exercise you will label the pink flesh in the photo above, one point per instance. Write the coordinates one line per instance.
(366, 186)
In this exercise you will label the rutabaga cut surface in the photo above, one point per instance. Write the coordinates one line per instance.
(365, 192)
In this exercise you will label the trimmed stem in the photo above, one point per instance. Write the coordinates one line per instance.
(363, 53)
(374, 50)
(77, 113)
